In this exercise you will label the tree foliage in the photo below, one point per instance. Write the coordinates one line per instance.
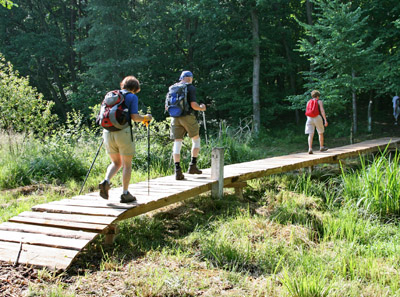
(23, 109)
(75, 51)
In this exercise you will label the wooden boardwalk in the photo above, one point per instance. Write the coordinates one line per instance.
(52, 235)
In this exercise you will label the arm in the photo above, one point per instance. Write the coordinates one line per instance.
(196, 106)
(321, 108)
(138, 118)
(192, 99)
(133, 108)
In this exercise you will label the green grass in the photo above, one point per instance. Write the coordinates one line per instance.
(285, 243)
(294, 234)
(376, 186)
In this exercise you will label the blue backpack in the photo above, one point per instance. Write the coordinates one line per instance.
(176, 100)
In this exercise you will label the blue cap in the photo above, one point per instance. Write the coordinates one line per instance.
(185, 74)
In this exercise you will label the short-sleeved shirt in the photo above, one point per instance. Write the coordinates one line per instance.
(132, 102)
(191, 96)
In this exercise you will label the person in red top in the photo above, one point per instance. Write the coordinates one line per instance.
(316, 122)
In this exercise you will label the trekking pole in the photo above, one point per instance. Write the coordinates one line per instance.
(205, 126)
(91, 166)
(148, 156)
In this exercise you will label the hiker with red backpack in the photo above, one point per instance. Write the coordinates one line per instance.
(181, 103)
(118, 108)
(316, 118)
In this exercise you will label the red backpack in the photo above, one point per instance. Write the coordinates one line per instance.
(312, 109)
(113, 115)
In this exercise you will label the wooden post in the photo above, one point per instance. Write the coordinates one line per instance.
(217, 171)
(238, 186)
(111, 233)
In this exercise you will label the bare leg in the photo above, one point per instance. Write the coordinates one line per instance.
(310, 141)
(126, 171)
(321, 139)
(115, 165)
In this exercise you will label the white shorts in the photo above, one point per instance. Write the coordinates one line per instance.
(313, 123)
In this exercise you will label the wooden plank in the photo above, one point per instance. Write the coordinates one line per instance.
(43, 240)
(50, 231)
(157, 189)
(108, 212)
(86, 219)
(97, 228)
(52, 258)
(155, 204)
(92, 203)
(181, 183)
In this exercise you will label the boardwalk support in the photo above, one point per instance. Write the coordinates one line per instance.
(111, 233)
(238, 186)
(217, 171)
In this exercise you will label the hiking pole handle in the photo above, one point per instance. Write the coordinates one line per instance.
(147, 123)
(91, 166)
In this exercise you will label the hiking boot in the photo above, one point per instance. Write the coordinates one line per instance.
(126, 198)
(178, 174)
(194, 170)
(310, 151)
(323, 149)
(104, 186)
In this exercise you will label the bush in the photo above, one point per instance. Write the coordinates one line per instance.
(25, 108)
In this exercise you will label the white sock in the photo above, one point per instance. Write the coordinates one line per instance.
(125, 192)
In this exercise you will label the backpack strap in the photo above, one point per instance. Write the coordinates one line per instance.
(124, 93)
(319, 110)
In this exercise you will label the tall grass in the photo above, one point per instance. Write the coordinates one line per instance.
(306, 285)
(67, 154)
(376, 186)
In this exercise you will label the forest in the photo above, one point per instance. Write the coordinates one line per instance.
(332, 232)
(250, 59)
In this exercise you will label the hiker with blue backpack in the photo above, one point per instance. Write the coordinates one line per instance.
(181, 103)
(396, 108)
(118, 109)
(316, 119)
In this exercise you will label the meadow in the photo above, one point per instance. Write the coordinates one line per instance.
(334, 232)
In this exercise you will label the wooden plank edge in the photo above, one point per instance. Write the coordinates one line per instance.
(96, 228)
(46, 230)
(155, 204)
(52, 258)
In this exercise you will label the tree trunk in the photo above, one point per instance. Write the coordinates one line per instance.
(256, 71)
(59, 105)
(292, 78)
(71, 39)
(309, 18)
(354, 101)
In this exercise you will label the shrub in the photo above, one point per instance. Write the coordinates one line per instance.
(25, 108)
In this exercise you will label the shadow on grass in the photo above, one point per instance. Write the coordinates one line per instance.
(157, 230)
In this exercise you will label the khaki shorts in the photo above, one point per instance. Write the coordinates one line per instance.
(313, 123)
(182, 125)
(119, 142)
